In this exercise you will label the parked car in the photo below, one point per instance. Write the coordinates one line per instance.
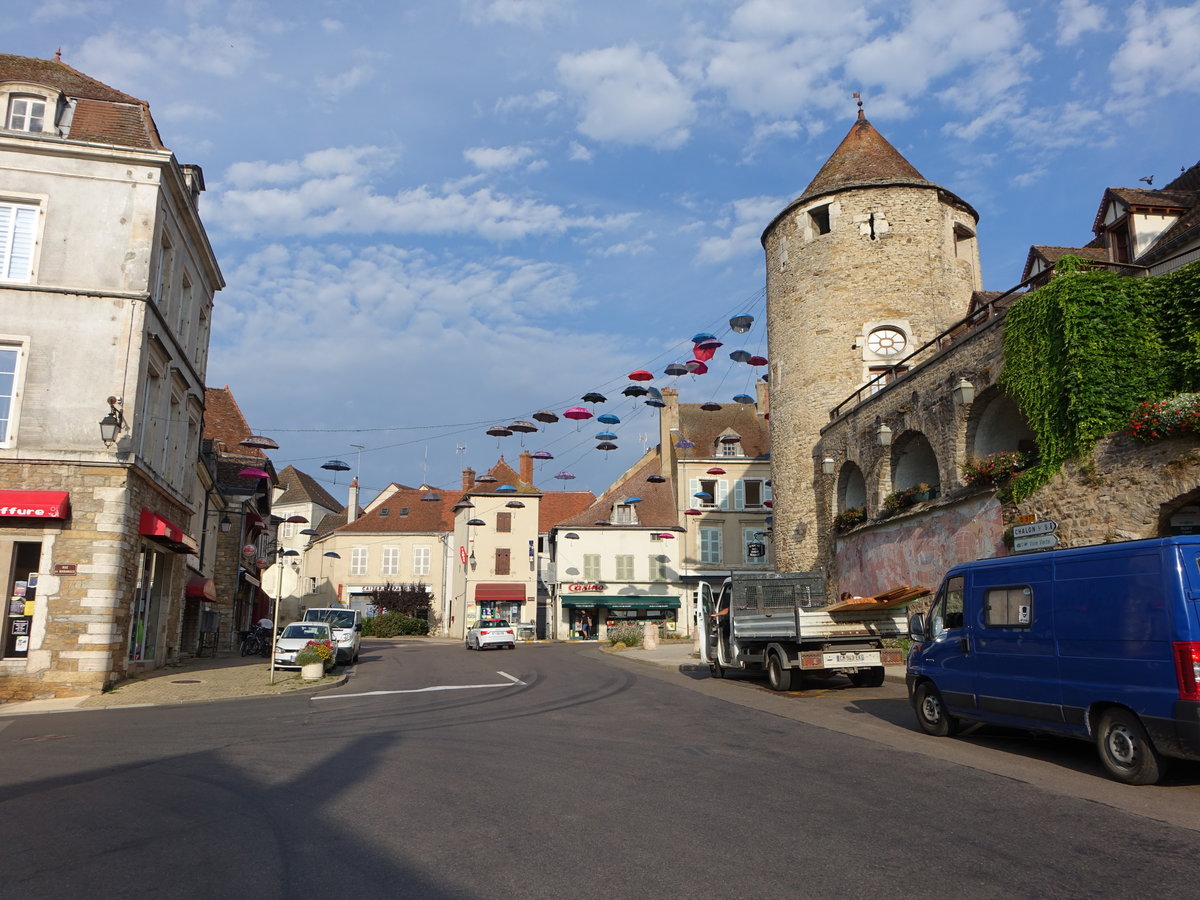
(347, 628)
(491, 633)
(293, 638)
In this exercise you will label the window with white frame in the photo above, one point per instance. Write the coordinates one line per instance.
(710, 545)
(624, 567)
(591, 567)
(389, 561)
(166, 270)
(422, 555)
(730, 449)
(659, 567)
(750, 493)
(27, 114)
(624, 514)
(755, 537)
(358, 560)
(18, 234)
(709, 486)
(10, 374)
(287, 529)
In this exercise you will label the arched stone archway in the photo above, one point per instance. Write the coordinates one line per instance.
(851, 489)
(914, 462)
(997, 424)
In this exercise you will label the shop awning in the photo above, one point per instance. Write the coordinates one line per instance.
(162, 531)
(616, 601)
(499, 593)
(35, 504)
(201, 588)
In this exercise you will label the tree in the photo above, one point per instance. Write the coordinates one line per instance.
(411, 599)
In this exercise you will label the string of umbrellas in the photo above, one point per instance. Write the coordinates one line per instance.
(704, 349)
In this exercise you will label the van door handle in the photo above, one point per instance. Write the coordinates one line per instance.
(964, 645)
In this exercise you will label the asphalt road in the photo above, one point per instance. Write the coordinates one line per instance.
(559, 771)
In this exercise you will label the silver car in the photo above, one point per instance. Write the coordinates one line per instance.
(296, 636)
(491, 633)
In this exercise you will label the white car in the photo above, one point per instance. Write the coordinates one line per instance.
(491, 633)
(296, 636)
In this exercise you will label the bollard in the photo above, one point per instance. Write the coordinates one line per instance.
(650, 636)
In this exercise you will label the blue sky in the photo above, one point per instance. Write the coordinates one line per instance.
(435, 217)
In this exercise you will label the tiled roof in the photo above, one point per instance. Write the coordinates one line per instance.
(864, 157)
(504, 475)
(556, 507)
(226, 426)
(1188, 180)
(657, 506)
(102, 114)
(300, 487)
(1051, 255)
(422, 516)
(703, 428)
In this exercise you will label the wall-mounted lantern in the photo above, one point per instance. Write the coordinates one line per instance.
(884, 435)
(964, 392)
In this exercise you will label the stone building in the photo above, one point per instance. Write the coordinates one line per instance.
(106, 289)
(870, 261)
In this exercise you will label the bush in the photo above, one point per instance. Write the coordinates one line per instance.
(849, 518)
(1166, 418)
(393, 624)
(995, 468)
(315, 652)
(627, 633)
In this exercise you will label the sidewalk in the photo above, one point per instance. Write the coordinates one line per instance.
(219, 678)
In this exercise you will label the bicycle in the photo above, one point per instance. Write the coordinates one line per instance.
(256, 643)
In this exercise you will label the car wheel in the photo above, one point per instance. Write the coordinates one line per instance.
(1125, 749)
(779, 676)
(931, 711)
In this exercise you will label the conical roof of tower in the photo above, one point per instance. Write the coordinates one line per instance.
(864, 158)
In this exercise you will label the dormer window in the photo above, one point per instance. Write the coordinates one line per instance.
(26, 114)
(624, 514)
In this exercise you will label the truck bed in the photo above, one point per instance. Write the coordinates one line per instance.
(809, 625)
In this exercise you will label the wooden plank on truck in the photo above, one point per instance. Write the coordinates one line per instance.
(890, 599)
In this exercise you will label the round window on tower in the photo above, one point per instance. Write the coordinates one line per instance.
(886, 341)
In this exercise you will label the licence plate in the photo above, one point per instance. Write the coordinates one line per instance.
(852, 658)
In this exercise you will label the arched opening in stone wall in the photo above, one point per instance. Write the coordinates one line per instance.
(996, 424)
(1180, 515)
(914, 462)
(851, 489)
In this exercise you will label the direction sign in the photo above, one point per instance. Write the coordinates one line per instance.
(1040, 542)
(1046, 526)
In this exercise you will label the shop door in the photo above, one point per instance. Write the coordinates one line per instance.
(22, 598)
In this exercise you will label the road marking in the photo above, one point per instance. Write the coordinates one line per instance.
(512, 682)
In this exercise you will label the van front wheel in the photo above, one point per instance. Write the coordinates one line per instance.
(1126, 750)
(931, 712)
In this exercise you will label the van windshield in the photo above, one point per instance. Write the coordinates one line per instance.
(338, 618)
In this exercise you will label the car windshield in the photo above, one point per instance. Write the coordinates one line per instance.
(493, 623)
(313, 632)
(338, 618)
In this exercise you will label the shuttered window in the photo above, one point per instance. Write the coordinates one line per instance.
(18, 228)
(503, 555)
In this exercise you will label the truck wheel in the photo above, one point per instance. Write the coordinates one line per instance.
(1126, 750)
(931, 712)
(716, 670)
(872, 677)
(779, 677)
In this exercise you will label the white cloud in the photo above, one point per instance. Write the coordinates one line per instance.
(50, 10)
(526, 102)
(344, 82)
(184, 112)
(1077, 17)
(628, 96)
(118, 57)
(748, 218)
(332, 26)
(1159, 55)
(491, 159)
(525, 13)
(578, 153)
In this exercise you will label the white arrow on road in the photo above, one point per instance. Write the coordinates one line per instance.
(425, 690)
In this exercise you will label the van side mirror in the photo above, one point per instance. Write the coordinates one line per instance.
(358, 626)
(916, 627)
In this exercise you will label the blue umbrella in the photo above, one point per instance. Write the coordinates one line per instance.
(608, 419)
(702, 495)
(633, 499)
(606, 436)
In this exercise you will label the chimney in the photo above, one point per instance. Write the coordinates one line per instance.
(352, 507)
(527, 467)
(762, 391)
(468, 478)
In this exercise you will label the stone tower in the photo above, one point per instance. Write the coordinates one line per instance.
(868, 264)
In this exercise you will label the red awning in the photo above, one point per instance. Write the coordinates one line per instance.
(155, 527)
(35, 504)
(499, 593)
(201, 588)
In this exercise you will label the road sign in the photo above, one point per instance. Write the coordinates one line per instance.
(1046, 526)
(1040, 542)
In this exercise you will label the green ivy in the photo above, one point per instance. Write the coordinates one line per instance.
(1081, 352)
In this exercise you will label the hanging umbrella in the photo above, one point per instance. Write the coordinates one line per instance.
(640, 375)
(768, 503)
(716, 470)
(505, 489)
(515, 504)
(498, 431)
(336, 465)
(545, 415)
(703, 336)
(564, 476)
(740, 356)
(431, 497)
(691, 512)
(741, 324)
(635, 390)
(743, 398)
(486, 479)
(462, 504)
(593, 397)
(606, 436)
(666, 536)
(633, 499)
(476, 522)
(609, 419)
(578, 413)
(710, 406)
(684, 444)
(705, 349)
(696, 367)
(656, 479)
(253, 472)
(703, 495)
(676, 369)
(543, 454)
(731, 439)
(523, 427)
(606, 446)
(571, 536)
(757, 360)
(654, 398)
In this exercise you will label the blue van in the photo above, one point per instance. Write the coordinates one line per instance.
(1099, 643)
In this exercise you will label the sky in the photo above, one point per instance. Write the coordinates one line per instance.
(437, 217)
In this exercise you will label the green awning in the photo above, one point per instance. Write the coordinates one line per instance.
(616, 601)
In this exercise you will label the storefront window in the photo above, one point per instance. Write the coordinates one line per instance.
(147, 604)
(22, 595)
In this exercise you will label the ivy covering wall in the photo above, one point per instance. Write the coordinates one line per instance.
(1081, 352)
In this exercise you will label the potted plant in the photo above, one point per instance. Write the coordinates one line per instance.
(919, 492)
(893, 503)
(314, 658)
(849, 518)
(995, 468)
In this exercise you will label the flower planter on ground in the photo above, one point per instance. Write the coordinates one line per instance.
(313, 671)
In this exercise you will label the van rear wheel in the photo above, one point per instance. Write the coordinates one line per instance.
(779, 676)
(1125, 749)
(931, 711)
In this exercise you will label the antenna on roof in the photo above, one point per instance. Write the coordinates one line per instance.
(858, 96)
(58, 55)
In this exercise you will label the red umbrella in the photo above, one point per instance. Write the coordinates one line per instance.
(696, 367)
(640, 375)
(691, 512)
(716, 470)
(252, 472)
(666, 536)
(757, 360)
(578, 413)
(706, 349)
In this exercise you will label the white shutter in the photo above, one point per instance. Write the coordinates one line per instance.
(18, 225)
(693, 489)
(723, 493)
(766, 491)
(739, 494)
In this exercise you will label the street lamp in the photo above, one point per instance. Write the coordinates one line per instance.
(281, 552)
